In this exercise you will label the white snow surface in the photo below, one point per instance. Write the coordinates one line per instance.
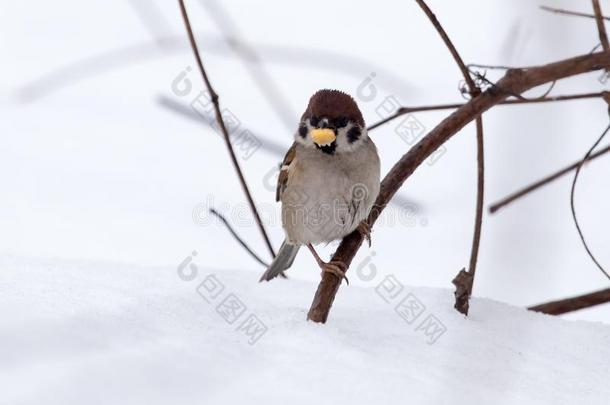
(75, 332)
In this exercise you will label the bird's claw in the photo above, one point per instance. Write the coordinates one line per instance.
(365, 231)
(337, 269)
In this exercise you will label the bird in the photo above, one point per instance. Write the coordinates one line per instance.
(328, 181)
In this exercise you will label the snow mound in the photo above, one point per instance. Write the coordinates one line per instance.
(100, 333)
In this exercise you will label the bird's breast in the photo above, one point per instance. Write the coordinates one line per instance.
(326, 198)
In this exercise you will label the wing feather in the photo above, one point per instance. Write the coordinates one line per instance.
(282, 179)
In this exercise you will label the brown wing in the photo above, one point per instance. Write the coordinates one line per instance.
(282, 179)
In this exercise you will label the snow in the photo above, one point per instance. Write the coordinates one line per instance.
(76, 332)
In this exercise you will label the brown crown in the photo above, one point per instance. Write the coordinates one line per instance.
(333, 104)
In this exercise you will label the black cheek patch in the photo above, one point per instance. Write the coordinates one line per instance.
(303, 130)
(353, 134)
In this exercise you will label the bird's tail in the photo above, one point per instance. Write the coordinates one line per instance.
(282, 261)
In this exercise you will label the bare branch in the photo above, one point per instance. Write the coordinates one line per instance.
(478, 222)
(85, 68)
(601, 28)
(410, 110)
(582, 237)
(544, 181)
(568, 12)
(265, 82)
(152, 19)
(439, 28)
(267, 145)
(515, 81)
(574, 303)
(223, 128)
(237, 237)
(461, 302)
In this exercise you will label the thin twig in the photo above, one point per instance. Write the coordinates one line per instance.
(574, 303)
(456, 56)
(516, 81)
(601, 28)
(237, 237)
(223, 128)
(85, 68)
(200, 116)
(409, 110)
(240, 240)
(265, 82)
(568, 12)
(542, 182)
(506, 67)
(476, 238)
(572, 207)
(493, 67)
(462, 299)
(482, 78)
(152, 18)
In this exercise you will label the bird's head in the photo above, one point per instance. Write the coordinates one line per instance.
(332, 123)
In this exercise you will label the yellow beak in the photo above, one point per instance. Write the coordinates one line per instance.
(324, 136)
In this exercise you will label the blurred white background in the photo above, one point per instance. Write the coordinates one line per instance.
(94, 168)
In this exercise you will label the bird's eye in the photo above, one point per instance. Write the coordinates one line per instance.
(341, 122)
(313, 121)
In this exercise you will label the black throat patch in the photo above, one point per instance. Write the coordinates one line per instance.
(328, 149)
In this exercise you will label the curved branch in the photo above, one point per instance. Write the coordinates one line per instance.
(573, 208)
(238, 238)
(514, 81)
(441, 31)
(261, 77)
(223, 128)
(463, 292)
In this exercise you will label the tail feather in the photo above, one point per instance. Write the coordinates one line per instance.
(283, 261)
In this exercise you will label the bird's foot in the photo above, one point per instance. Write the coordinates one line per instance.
(335, 268)
(365, 231)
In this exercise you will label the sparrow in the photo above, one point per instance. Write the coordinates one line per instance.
(328, 180)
